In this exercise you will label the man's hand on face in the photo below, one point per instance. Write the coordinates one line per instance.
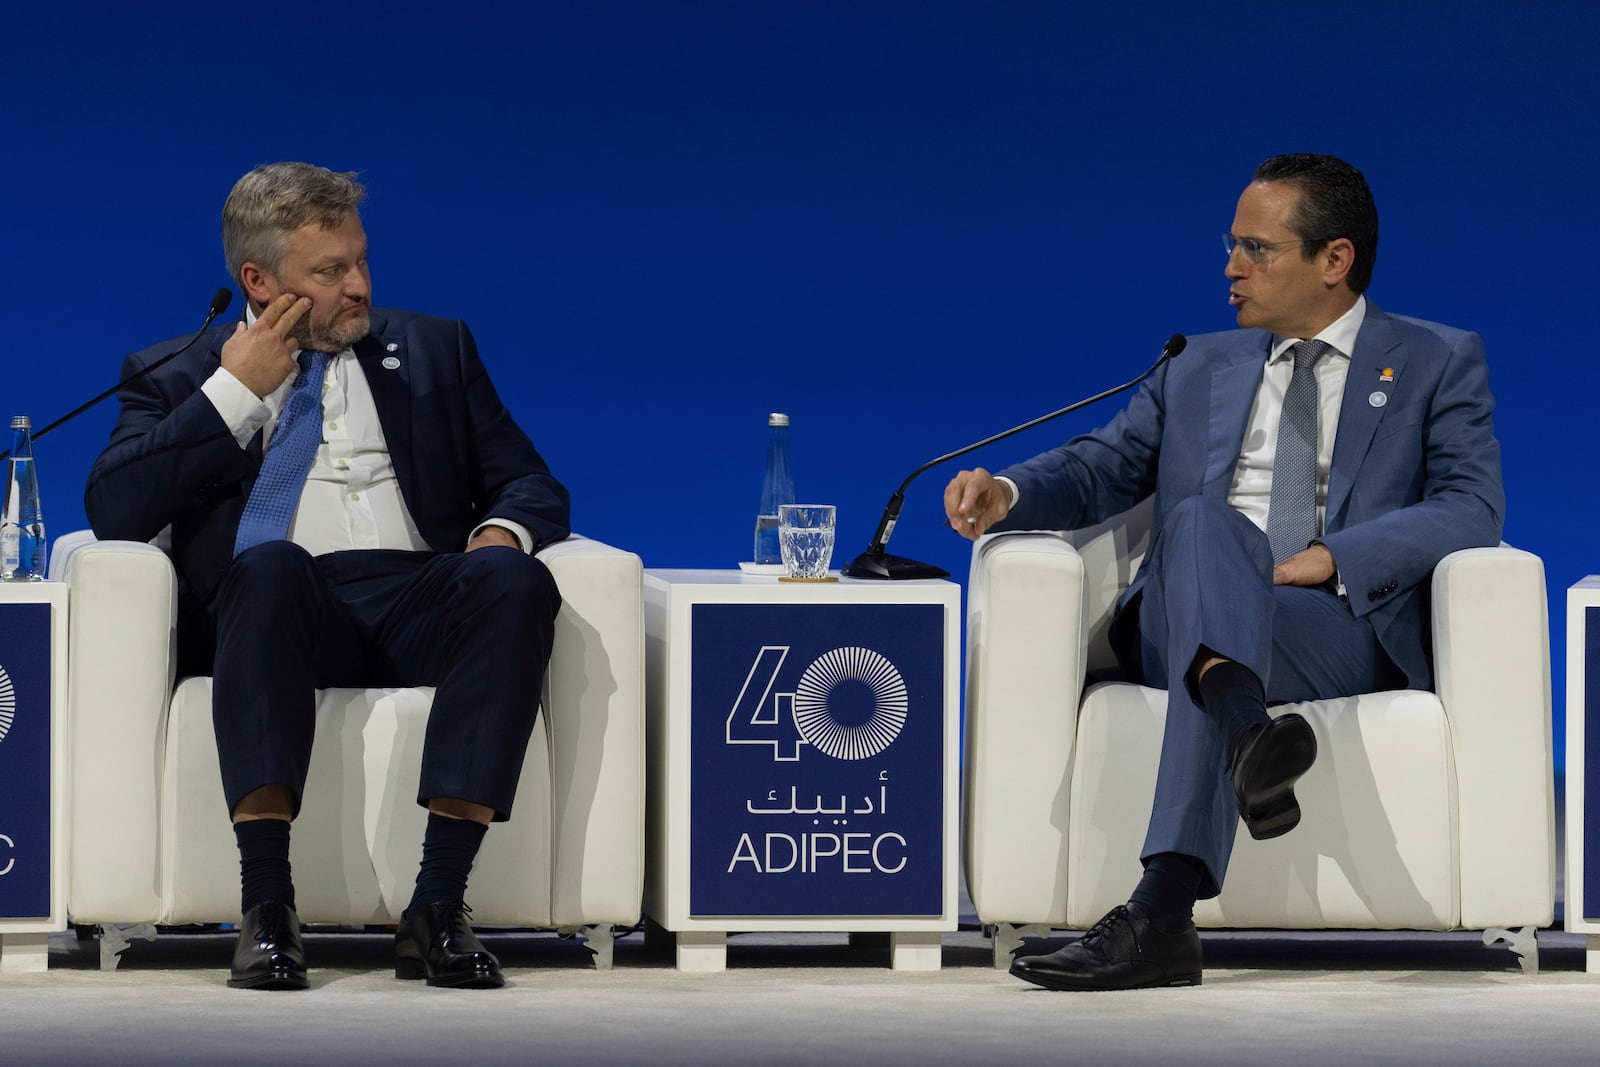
(262, 354)
(974, 501)
(1314, 566)
(494, 535)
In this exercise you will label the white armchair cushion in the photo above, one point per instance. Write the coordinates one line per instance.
(360, 828)
(1375, 846)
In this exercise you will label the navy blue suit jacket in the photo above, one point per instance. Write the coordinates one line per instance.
(458, 455)
(1415, 472)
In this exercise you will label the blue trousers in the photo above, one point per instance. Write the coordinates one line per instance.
(478, 625)
(1207, 583)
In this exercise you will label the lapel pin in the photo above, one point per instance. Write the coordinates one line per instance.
(1378, 399)
(1387, 375)
(393, 363)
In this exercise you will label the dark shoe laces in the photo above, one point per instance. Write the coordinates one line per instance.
(270, 917)
(455, 915)
(1098, 931)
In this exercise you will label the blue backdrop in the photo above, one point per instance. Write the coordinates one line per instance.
(907, 224)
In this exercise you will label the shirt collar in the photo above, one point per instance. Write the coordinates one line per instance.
(1340, 334)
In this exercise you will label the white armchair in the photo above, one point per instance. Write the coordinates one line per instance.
(149, 841)
(1426, 811)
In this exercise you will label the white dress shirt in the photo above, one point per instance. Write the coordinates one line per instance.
(352, 498)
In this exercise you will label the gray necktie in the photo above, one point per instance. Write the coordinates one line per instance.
(1292, 513)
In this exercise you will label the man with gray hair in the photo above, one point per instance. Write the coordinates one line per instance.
(350, 505)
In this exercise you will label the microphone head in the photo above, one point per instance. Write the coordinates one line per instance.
(223, 297)
(1175, 344)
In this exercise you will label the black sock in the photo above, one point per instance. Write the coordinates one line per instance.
(1233, 695)
(1167, 892)
(448, 850)
(264, 872)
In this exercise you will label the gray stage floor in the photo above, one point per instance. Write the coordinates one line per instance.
(1271, 997)
(810, 998)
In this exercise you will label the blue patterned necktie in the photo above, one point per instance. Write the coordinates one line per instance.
(1292, 513)
(283, 470)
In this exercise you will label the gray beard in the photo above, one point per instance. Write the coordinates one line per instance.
(338, 339)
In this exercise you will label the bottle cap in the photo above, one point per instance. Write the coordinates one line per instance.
(22, 422)
(777, 418)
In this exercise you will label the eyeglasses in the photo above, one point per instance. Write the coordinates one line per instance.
(1255, 251)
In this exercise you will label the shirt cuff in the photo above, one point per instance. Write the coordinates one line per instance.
(242, 411)
(1016, 494)
(530, 544)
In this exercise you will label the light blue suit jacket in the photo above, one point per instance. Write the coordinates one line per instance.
(1414, 477)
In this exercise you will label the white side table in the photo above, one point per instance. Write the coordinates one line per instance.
(33, 785)
(803, 760)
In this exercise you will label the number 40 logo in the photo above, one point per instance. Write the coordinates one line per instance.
(850, 704)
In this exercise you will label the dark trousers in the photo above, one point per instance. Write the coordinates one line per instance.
(1208, 583)
(478, 625)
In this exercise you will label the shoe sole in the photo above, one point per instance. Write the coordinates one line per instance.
(1276, 812)
(475, 980)
(1063, 985)
(408, 969)
(271, 980)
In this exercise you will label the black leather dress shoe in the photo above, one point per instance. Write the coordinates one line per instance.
(1265, 771)
(269, 953)
(437, 942)
(1121, 951)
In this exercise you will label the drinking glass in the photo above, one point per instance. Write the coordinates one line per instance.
(805, 538)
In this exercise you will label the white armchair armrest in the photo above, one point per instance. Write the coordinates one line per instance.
(1491, 648)
(1026, 658)
(594, 697)
(122, 620)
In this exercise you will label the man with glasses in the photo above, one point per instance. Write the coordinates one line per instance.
(1308, 473)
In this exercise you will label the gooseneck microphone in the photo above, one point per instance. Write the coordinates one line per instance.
(219, 303)
(875, 563)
